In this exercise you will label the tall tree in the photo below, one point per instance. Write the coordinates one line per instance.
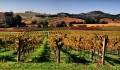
(9, 18)
(18, 20)
(12, 21)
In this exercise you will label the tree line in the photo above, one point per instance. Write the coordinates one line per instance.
(15, 21)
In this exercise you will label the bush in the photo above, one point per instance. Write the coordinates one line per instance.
(104, 22)
(62, 24)
(70, 24)
(34, 22)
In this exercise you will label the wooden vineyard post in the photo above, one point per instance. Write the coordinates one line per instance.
(91, 54)
(59, 46)
(58, 55)
(103, 52)
(118, 52)
(58, 52)
(18, 50)
(104, 46)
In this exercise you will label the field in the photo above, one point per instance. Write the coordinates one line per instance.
(109, 24)
(60, 49)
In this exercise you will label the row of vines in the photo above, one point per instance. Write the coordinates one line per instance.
(82, 41)
(21, 43)
(67, 41)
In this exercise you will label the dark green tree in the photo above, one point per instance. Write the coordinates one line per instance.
(34, 22)
(70, 24)
(43, 24)
(9, 18)
(18, 20)
(63, 24)
(12, 21)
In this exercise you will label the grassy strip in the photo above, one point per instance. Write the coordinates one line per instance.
(34, 57)
(55, 66)
(112, 59)
(4, 50)
(70, 57)
(7, 55)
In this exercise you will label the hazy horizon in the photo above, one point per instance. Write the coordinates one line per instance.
(57, 6)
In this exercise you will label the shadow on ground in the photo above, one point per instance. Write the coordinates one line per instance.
(45, 55)
(112, 61)
(75, 58)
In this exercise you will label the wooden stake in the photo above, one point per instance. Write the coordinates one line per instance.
(103, 52)
(19, 47)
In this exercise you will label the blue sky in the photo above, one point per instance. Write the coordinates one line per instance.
(56, 6)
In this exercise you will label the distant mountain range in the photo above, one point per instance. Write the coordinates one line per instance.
(92, 14)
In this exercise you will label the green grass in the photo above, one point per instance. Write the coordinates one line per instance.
(4, 50)
(111, 63)
(112, 59)
(7, 55)
(38, 53)
(55, 66)
(52, 65)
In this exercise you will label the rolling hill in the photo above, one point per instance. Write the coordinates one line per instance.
(93, 15)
